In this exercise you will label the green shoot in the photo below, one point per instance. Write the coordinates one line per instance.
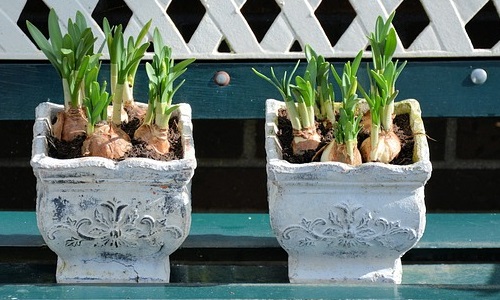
(383, 77)
(93, 100)
(319, 69)
(162, 72)
(284, 88)
(385, 86)
(384, 74)
(305, 95)
(96, 105)
(124, 60)
(347, 128)
(383, 43)
(375, 104)
(380, 99)
(71, 53)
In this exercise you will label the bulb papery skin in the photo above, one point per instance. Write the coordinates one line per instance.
(339, 153)
(387, 149)
(304, 140)
(107, 141)
(366, 123)
(156, 138)
(70, 124)
(134, 111)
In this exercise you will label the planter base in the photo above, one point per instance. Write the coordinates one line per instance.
(319, 269)
(343, 223)
(112, 221)
(112, 271)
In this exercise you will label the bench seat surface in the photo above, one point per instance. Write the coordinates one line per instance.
(249, 291)
(237, 256)
(252, 230)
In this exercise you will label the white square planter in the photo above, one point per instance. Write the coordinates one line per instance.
(112, 221)
(344, 223)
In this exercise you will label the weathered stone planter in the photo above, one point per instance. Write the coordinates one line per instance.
(112, 221)
(343, 223)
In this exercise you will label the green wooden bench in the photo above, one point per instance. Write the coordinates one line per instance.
(236, 255)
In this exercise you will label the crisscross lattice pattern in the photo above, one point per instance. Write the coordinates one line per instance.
(445, 34)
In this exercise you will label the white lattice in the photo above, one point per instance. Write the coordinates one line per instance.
(445, 36)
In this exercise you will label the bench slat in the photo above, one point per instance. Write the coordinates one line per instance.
(250, 254)
(222, 230)
(251, 291)
(443, 88)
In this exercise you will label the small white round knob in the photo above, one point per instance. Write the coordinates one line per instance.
(478, 76)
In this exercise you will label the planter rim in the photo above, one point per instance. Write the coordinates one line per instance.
(273, 147)
(41, 160)
(342, 167)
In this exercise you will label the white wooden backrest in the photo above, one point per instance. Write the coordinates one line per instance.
(444, 36)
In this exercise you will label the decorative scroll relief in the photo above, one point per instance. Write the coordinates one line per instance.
(114, 225)
(445, 35)
(350, 229)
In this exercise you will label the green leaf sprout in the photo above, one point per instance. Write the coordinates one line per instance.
(96, 105)
(300, 102)
(284, 87)
(348, 126)
(384, 74)
(382, 93)
(162, 72)
(305, 96)
(124, 60)
(319, 70)
(71, 53)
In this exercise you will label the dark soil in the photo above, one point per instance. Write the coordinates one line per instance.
(285, 136)
(66, 150)
(139, 148)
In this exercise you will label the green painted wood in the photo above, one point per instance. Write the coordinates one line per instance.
(480, 274)
(19, 229)
(461, 231)
(27, 276)
(230, 230)
(443, 88)
(250, 291)
(18, 223)
(214, 230)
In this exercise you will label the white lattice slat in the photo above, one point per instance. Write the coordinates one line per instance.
(447, 25)
(143, 11)
(305, 25)
(445, 36)
(466, 9)
(280, 37)
(496, 48)
(206, 37)
(231, 23)
(12, 39)
(354, 38)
